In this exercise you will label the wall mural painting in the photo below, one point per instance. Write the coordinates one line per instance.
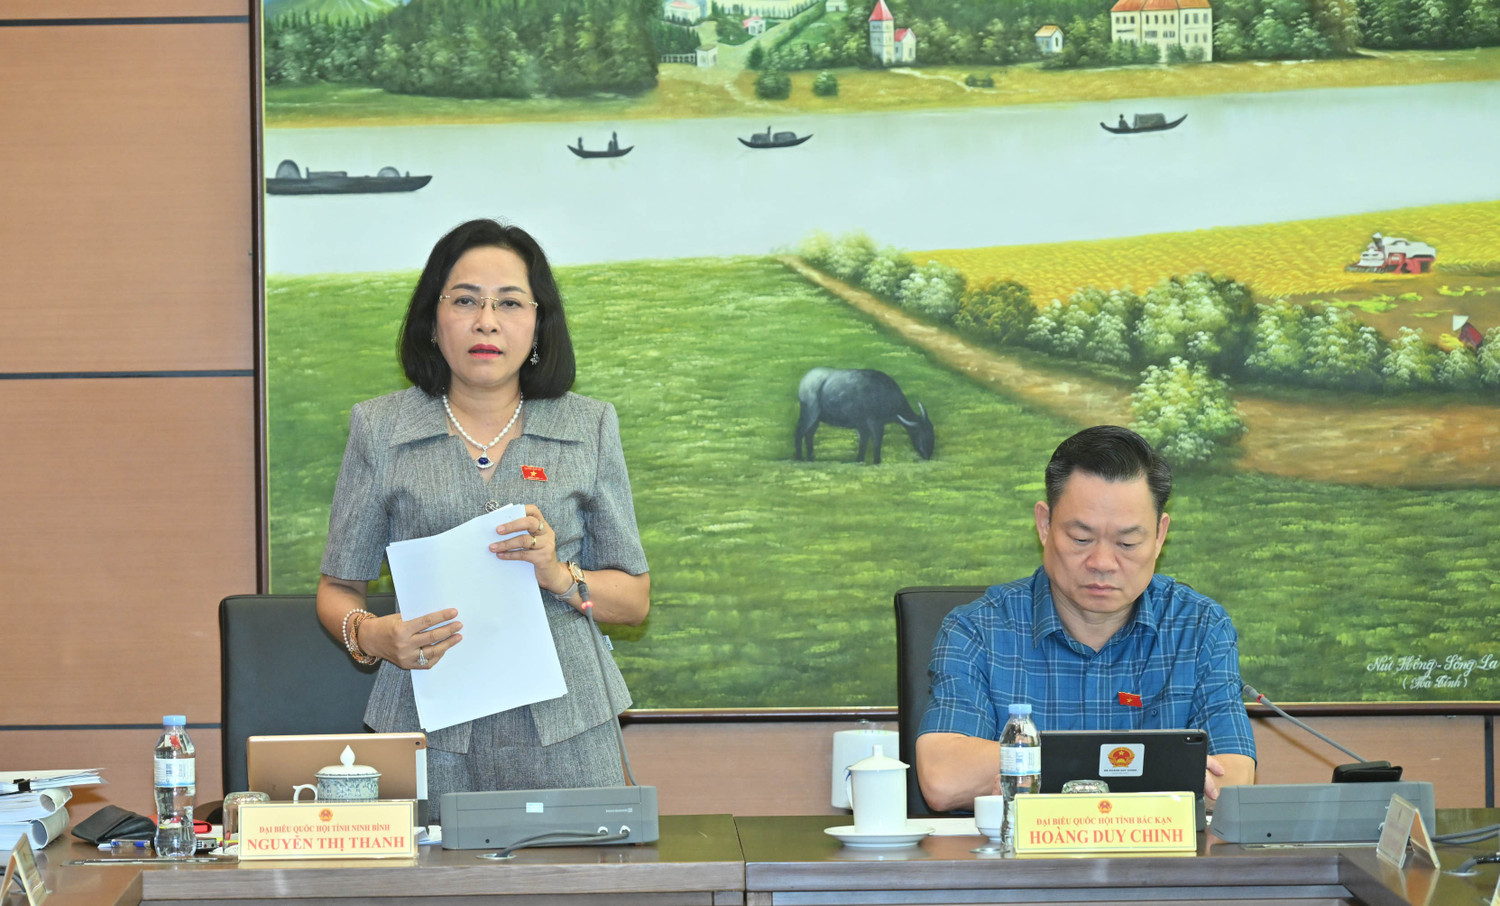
(849, 270)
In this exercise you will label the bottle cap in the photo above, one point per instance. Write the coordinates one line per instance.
(1022, 709)
(174, 720)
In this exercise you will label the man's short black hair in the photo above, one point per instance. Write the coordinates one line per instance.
(1114, 454)
(423, 361)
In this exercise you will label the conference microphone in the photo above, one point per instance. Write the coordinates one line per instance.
(1361, 771)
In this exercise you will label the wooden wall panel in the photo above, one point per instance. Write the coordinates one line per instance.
(124, 756)
(127, 237)
(740, 769)
(130, 512)
(1447, 751)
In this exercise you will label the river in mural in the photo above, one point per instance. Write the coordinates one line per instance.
(928, 179)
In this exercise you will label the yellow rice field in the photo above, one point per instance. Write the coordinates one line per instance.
(1276, 259)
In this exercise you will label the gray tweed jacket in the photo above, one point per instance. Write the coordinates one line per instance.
(404, 476)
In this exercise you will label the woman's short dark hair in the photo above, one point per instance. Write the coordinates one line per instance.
(425, 366)
(1114, 454)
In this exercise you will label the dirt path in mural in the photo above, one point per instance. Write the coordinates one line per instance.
(1401, 446)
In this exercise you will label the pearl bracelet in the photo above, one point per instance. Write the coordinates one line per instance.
(351, 636)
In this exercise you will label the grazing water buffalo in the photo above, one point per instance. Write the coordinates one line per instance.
(863, 399)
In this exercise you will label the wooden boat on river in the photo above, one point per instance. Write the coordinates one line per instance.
(614, 149)
(769, 139)
(290, 180)
(1144, 122)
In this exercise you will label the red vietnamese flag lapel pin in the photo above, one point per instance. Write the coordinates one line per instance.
(533, 473)
(1130, 699)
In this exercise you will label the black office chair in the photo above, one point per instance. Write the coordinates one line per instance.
(283, 674)
(919, 613)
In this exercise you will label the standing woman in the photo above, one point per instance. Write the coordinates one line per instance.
(489, 422)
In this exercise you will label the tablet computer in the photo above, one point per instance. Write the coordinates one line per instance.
(1129, 761)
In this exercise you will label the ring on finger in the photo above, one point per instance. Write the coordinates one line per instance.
(533, 542)
(421, 657)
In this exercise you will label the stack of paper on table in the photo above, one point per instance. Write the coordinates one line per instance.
(28, 781)
(40, 814)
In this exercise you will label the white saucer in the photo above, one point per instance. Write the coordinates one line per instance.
(848, 836)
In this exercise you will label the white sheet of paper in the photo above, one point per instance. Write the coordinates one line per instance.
(507, 657)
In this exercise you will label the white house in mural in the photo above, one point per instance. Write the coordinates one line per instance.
(705, 57)
(836, 6)
(689, 12)
(1188, 24)
(1049, 39)
(755, 25)
(890, 44)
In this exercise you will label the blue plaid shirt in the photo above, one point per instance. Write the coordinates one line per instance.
(1178, 652)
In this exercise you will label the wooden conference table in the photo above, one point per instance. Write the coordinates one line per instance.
(718, 860)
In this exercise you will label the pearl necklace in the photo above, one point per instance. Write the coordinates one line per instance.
(483, 462)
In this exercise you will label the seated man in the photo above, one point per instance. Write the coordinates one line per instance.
(1093, 640)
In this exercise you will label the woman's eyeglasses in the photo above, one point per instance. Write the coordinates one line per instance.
(471, 305)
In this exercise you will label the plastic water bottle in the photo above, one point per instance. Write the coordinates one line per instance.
(176, 784)
(1020, 767)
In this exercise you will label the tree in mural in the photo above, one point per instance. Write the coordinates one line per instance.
(932, 290)
(1040, 332)
(886, 272)
(1457, 369)
(471, 48)
(1339, 351)
(1487, 362)
(1185, 412)
(1073, 328)
(1408, 364)
(849, 258)
(998, 311)
(1202, 317)
(1276, 343)
(1109, 341)
(773, 85)
(1393, 24)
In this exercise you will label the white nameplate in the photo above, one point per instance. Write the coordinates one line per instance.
(1106, 823)
(328, 830)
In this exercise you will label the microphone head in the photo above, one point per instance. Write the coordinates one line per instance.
(1248, 691)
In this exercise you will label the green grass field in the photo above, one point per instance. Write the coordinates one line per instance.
(772, 579)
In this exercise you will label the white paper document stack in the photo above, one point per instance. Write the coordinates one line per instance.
(40, 814)
(29, 781)
(507, 657)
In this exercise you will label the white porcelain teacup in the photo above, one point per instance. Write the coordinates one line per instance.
(877, 791)
(345, 782)
(989, 816)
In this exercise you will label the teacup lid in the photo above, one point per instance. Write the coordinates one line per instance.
(878, 761)
(348, 768)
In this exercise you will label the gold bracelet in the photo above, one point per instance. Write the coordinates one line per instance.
(351, 636)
